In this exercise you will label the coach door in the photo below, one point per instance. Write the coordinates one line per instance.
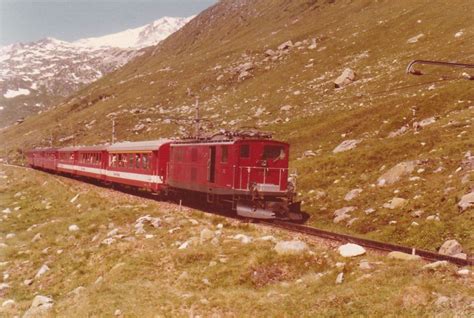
(212, 165)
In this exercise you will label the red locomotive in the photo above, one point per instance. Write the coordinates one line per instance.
(247, 171)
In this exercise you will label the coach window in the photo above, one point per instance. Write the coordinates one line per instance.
(145, 161)
(137, 161)
(130, 161)
(244, 151)
(225, 154)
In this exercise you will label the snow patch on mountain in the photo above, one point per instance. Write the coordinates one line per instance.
(14, 93)
(147, 35)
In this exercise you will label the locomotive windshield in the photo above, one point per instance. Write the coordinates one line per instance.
(273, 152)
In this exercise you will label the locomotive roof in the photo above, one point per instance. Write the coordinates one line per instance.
(138, 146)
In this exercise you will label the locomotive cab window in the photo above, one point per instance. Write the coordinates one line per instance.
(225, 154)
(244, 151)
(273, 152)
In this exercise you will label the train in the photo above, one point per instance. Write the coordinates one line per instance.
(247, 172)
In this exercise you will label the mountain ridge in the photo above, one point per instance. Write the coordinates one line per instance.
(36, 75)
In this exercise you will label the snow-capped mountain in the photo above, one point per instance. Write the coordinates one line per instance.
(36, 75)
(147, 35)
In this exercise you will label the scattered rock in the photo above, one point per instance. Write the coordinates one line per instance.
(290, 247)
(346, 145)
(397, 172)
(206, 235)
(423, 123)
(75, 198)
(398, 132)
(364, 265)
(286, 108)
(309, 153)
(184, 245)
(442, 300)
(9, 303)
(463, 272)
(147, 219)
(39, 307)
(108, 241)
(346, 78)
(73, 228)
(403, 256)
(285, 46)
(117, 312)
(415, 38)
(343, 214)
(4, 286)
(450, 247)
(436, 265)
(351, 250)
(354, 193)
(244, 239)
(43, 269)
(369, 211)
(417, 213)
(466, 202)
(10, 236)
(36, 238)
(340, 278)
(270, 53)
(395, 203)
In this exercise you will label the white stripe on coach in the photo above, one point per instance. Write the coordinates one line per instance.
(115, 174)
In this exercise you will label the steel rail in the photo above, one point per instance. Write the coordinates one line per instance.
(410, 69)
(371, 244)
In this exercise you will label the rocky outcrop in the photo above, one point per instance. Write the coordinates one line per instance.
(395, 203)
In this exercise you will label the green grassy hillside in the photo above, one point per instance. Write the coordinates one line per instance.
(221, 56)
(100, 264)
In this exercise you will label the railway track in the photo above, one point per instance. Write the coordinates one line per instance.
(371, 244)
(328, 235)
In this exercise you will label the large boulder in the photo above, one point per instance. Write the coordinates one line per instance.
(290, 247)
(397, 172)
(347, 77)
(450, 247)
(346, 145)
(351, 250)
(39, 307)
(466, 202)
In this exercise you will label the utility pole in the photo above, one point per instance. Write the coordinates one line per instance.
(113, 131)
(197, 119)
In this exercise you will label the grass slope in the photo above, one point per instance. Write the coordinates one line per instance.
(371, 37)
(148, 276)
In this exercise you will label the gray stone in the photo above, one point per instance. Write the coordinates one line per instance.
(436, 265)
(415, 39)
(396, 173)
(340, 278)
(450, 247)
(395, 203)
(347, 77)
(466, 202)
(40, 306)
(403, 256)
(351, 250)
(346, 145)
(354, 193)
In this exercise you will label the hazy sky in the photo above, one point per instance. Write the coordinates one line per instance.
(30, 20)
